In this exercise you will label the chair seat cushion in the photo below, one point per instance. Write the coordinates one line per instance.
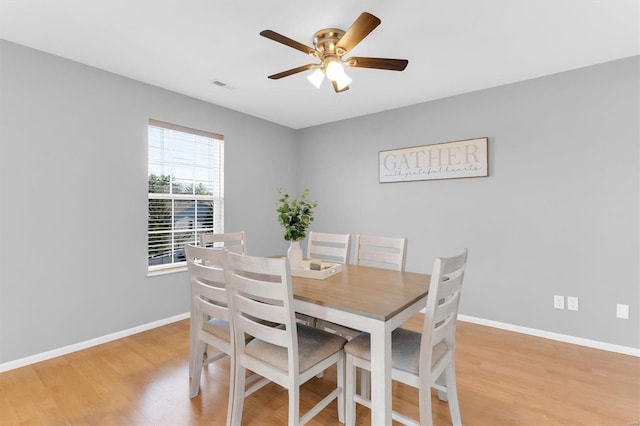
(314, 345)
(405, 350)
(217, 327)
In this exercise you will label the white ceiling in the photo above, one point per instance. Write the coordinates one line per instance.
(453, 46)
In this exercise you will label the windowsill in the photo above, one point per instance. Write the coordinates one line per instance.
(165, 271)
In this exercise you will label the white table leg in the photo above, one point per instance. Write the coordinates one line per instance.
(380, 375)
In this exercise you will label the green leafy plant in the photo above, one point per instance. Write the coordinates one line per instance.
(295, 215)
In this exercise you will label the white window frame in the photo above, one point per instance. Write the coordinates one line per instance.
(191, 171)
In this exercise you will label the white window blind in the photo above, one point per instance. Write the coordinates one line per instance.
(186, 190)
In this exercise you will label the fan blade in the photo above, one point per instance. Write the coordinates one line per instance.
(292, 71)
(362, 26)
(379, 63)
(288, 42)
(335, 87)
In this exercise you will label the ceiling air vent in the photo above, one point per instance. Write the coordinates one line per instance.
(221, 83)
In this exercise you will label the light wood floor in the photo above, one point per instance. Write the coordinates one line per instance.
(504, 378)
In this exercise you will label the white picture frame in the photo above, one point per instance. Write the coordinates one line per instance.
(447, 160)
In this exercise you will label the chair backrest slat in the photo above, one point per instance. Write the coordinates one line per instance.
(260, 289)
(232, 241)
(441, 332)
(445, 307)
(383, 252)
(449, 286)
(327, 253)
(329, 247)
(266, 311)
(263, 332)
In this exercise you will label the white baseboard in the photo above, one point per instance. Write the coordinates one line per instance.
(553, 336)
(89, 343)
(550, 335)
(489, 323)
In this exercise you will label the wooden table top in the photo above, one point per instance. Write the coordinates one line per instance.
(371, 292)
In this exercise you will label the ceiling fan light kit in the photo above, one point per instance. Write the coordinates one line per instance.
(316, 78)
(330, 45)
(334, 70)
(343, 82)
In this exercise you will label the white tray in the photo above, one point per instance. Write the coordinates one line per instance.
(328, 269)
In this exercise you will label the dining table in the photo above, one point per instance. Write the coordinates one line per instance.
(373, 300)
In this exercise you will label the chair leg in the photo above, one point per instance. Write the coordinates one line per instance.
(340, 380)
(232, 381)
(294, 405)
(238, 395)
(424, 398)
(196, 359)
(192, 344)
(452, 393)
(350, 390)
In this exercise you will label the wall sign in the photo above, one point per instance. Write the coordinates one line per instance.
(449, 160)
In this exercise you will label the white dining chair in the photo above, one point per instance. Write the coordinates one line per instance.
(210, 317)
(209, 313)
(290, 354)
(329, 247)
(422, 360)
(235, 241)
(232, 241)
(381, 252)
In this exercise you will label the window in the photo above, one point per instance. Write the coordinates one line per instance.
(186, 190)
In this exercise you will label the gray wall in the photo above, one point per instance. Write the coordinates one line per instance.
(73, 176)
(558, 214)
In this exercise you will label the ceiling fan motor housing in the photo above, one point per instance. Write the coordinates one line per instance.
(325, 42)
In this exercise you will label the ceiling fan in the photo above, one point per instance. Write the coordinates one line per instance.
(330, 45)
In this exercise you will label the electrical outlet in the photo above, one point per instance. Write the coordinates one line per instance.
(622, 311)
(558, 302)
(572, 303)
